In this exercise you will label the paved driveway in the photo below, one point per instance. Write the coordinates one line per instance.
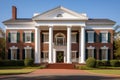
(59, 74)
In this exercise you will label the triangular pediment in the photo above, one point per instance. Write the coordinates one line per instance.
(60, 13)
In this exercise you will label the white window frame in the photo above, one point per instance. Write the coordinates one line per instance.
(44, 40)
(104, 32)
(91, 48)
(75, 34)
(13, 48)
(15, 37)
(88, 33)
(106, 48)
(26, 48)
(28, 32)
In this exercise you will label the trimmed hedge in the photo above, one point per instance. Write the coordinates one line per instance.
(115, 63)
(91, 62)
(28, 62)
(102, 63)
(12, 63)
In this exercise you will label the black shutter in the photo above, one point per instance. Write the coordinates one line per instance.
(77, 37)
(100, 37)
(42, 55)
(32, 53)
(32, 37)
(18, 37)
(86, 55)
(23, 54)
(109, 37)
(9, 35)
(23, 37)
(42, 39)
(95, 37)
(9, 54)
(86, 37)
(18, 54)
(109, 54)
(95, 50)
(77, 54)
(100, 54)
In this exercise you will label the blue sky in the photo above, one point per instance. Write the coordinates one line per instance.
(94, 8)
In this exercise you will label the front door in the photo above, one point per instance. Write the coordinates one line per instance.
(60, 56)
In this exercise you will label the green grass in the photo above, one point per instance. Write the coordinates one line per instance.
(115, 72)
(15, 71)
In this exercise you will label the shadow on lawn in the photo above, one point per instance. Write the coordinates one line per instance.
(76, 77)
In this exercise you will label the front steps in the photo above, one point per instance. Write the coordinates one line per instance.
(60, 66)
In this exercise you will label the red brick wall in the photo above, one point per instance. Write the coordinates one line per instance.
(20, 44)
(98, 44)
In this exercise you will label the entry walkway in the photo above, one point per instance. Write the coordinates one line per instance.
(59, 74)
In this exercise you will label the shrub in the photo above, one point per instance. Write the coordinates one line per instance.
(91, 62)
(28, 62)
(102, 63)
(115, 63)
(12, 63)
(105, 63)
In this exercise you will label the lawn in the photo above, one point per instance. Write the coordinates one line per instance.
(15, 71)
(115, 72)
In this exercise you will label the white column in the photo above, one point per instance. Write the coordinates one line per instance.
(50, 44)
(69, 44)
(82, 45)
(37, 46)
(79, 45)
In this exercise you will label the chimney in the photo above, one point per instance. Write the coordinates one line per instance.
(14, 12)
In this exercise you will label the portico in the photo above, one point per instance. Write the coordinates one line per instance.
(60, 42)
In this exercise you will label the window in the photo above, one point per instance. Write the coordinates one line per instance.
(90, 36)
(74, 38)
(90, 53)
(28, 53)
(13, 37)
(104, 54)
(46, 37)
(104, 36)
(59, 15)
(27, 37)
(13, 54)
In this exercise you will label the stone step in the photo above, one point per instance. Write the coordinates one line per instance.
(60, 66)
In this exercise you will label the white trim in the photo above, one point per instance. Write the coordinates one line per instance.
(13, 32)
(27, 31)
(90, 47)
(27, 47)
(13, 47)
(104, 47)
(90, 31)
(103, 31)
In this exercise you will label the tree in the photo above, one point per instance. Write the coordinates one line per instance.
(2, 48)
(117, 48)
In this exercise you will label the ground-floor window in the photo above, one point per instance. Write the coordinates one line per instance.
(104, 54)
(28, 53)
(13, 54)
(91, 53)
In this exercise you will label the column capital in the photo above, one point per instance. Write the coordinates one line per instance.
(69, 26)
(50, 26)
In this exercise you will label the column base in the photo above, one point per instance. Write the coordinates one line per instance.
(83, 62)
(69, 62)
